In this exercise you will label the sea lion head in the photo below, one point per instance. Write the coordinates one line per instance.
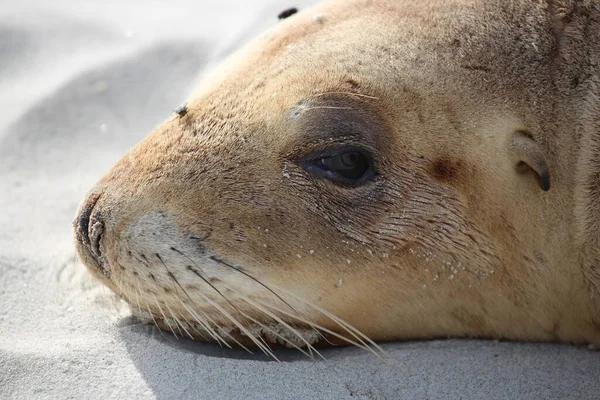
(363, 170)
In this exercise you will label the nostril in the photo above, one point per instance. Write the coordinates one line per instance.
(88, 225)
(95, 231)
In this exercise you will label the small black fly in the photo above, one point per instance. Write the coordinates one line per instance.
(182, 110)
(287, 13)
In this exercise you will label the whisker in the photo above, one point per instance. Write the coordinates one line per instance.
(165, 317)
(327, 107)
(348, 93)
(291, 329)
(191, 327)
(274, 332)
(177, 323)
(137, 299)
(206, 326)
(349, 328)
(198, 274)
(174, 315)
(223, 311)
(201, 334)
(309, 346)
(172, 276)
(347, 340)
(353, 336)
(155, 323)
(215, 335)
(265, 348)
(227, 334)
(218, 260)
(139, 290)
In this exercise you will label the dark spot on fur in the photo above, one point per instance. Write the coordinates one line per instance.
(151, 276)
(166, 290)
(231, 226)
(447, 170)
(574, 82)
(135, 273)
(214, 280)
(287, 13)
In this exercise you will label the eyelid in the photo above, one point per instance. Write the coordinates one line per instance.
(313, 164)
(337, 151)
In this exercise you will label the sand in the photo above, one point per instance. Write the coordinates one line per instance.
(80, 83)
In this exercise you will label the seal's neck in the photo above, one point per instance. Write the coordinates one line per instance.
(579, 43)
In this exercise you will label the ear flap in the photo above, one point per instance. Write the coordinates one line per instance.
(527, 155)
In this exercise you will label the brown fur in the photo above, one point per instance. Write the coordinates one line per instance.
(453, 238)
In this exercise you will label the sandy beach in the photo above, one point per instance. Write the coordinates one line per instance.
(80, 83)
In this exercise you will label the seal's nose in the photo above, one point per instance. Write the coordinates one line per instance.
(88, 229)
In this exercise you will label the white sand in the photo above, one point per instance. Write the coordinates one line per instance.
(79, 84)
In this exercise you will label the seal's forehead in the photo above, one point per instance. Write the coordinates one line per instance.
(400, 37)
(312, 38)
(430, 50)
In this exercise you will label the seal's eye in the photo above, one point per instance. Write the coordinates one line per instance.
(346, 166)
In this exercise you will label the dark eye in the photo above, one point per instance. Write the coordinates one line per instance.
(351, 166)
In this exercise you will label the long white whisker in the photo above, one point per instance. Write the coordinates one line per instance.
(346, 326)
(274, 332)
(154, 320)
(150, 312)
(177, 322)
(328, 107)
(258, 307)
(137, 299)
(279, 320)
(206, 326)
(165, 317)
(344, 338)
(218, 338)
(348, 93)
(265, 348)
(201, 334)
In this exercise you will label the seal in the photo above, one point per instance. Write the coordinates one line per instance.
(369, 171)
